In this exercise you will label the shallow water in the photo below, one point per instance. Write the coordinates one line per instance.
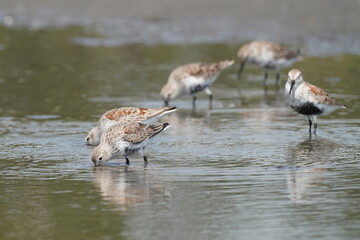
(246, 169)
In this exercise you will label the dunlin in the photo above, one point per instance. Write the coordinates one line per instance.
(308, 99)
(267, 55)
(191, 79)
(124, 140)
(125, 115)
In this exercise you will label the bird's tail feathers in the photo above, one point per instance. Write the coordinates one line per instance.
(157, 128)
(170, 109)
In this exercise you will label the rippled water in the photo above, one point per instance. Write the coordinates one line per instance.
(246, 169)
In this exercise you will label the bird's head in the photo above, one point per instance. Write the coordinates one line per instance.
(100, 154)
(169, 92)
(226, 63)
(294, 78)
(93, 137)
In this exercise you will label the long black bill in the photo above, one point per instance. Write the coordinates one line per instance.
(292, 85)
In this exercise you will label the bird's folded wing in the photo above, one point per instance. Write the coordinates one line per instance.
(321, 96)
(135, 133)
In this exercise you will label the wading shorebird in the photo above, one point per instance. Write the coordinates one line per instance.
(124, 140)
(308, 99)
(125, 115)
(191, 79)
(267, 55)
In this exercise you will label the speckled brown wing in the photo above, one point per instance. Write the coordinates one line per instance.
(180, 73)
(137, 132)
(282, 51)
(321, 96)
(154, 129)
(200, 69)
(136, 114)
(153, 112)
(207, 70)
(123, 113)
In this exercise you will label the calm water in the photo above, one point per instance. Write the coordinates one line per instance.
(245, 170)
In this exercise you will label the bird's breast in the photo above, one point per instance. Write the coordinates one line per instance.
(307, 108)
(197, 88)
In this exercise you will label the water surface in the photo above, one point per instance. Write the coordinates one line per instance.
(245, 169)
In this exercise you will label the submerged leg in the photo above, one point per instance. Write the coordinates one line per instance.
(127, 161)
(193, 101)
(142, 154)
(242, 64)
(208, 92)
(315, 123)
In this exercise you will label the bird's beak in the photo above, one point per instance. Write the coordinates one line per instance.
(292, 85)
(96, 163)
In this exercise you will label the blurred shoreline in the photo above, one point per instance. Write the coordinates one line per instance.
(322, 27)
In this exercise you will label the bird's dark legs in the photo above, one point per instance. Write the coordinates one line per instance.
(193, 101)
(310, 123)
(312, 120)
(315, 123)
(127, 161)
(242, 64)
(277, 80)
(265, 79)
(266, 74)
(145, 160)
(166, 103)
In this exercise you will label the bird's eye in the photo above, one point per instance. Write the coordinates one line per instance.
(100, 158)
(88, 139)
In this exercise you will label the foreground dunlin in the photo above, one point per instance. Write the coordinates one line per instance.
(191, 79)
(124, 115)
(308, 99)
(124, 140)
(267, 55)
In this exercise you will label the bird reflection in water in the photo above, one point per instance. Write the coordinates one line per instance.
(123, 186)
(307, 163)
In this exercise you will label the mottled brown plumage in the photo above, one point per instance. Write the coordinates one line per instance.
(191, 79)
(264, 51)
(135, 114)
(199, 69)
(124, 115)
(321, 96)
(138, 132)
(267, 55)
(124, 140)
(308, 99)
